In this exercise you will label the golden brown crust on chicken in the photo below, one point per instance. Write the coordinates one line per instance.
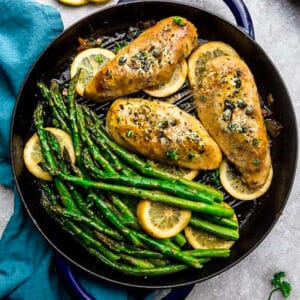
(228, 107)
(146, 62)
(163, 132)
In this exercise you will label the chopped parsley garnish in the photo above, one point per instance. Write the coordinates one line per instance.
(178, 21)
(172, 154)
(129, 134)
(255, 142)
(191, 156)
(214, 176)
(203, 98)
(256, 162)
(99, 58)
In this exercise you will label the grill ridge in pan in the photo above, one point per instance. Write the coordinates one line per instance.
(256, 217)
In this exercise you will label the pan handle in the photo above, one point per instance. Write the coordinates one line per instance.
(242, 15)
(71, 281)
(244, 20)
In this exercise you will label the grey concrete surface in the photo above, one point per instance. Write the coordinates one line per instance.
(277, 26)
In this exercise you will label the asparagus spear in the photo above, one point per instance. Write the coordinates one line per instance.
(138, 262)
(230, 223)
(57, 99)
(91, 146)
(179, 239)
(224, 232)
(113, 219)
(151, 195)
(50, 161)
(143, 182)
(169, 269)
(84, 236)
(122, 247)
(56, 113)
(208, 252)
(72, 116)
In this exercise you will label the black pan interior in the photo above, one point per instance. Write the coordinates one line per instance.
(256, 217)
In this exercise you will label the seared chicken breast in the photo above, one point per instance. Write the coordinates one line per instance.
(146, 62)
(162, 132)
(228, 107)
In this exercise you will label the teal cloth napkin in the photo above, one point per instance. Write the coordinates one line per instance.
(27, 269)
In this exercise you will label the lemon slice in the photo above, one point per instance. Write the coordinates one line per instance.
(232, 183)
(99, 1)
(200, 239)
(33, 156)
(178, 171)
(74, 2)
(161, 221)
(202, 54)
(89, 62)
(173, 85)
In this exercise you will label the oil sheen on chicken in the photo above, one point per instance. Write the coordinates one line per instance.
(228, 107)
(146, 62)
(162, 132)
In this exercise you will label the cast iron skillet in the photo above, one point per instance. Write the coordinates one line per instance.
(256, 217)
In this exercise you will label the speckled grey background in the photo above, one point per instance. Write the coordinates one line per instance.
(277, 27)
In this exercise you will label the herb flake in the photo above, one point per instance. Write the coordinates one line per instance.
(178, 21)
(129, 134)
(99, 58)
(172, 154)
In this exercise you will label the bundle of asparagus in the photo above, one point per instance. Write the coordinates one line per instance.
(95, 199)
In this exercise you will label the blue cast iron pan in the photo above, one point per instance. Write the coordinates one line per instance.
(256, 217)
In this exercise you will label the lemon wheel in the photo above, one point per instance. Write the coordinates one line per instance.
(173, 85)
(74, 2)
(178, 171)
(232, 183)
(200, 239)
(89, 62)
(161, 221)
(205, 52)
(99, 1)
(33, 156)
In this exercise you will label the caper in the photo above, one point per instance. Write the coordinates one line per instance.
(122, 60)
(156, 52)
(226, 116)
(249, 110)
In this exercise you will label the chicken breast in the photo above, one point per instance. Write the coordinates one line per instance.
(162, 132)
(228, 107)
(146, 62)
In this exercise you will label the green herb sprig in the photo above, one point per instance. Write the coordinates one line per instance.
(280, 285)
